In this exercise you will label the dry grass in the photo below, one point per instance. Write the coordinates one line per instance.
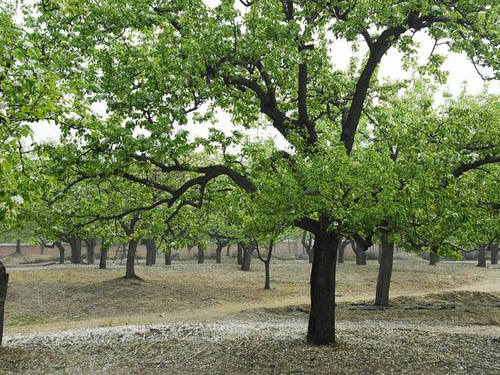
(77, 296)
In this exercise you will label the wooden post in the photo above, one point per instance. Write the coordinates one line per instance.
(4, 281)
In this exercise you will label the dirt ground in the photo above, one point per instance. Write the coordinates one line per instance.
(213, 318)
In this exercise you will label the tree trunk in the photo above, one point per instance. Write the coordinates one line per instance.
(494, 253)
(61, 252)
(267, 284)
(342, 245)
(247, 257)
(90, 244)
(360, 255)
(76, 250)
(228, 251)
(201, 254)
(132, 247)
(433, 258)
(240, 254)
(168, 257)
(218, 253)
(4, 282)
(150, 252)
(384, 271)
(42, 248)
(104, 257)
(481, 258)
(18, 247)
(321, 328)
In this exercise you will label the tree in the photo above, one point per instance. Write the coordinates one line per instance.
(267, 63)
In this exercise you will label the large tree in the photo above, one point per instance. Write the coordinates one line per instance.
(153, 62)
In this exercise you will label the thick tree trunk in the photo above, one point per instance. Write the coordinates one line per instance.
(360, 255)
(168, 257)
(90, 244)
(76, 250)
(310, 254)
(4, 282)
(132, 248)
(218, 253)
(384, 271)
(433, 258)
(481, 258)
(18, 247)
(201, 254)
(228, 251)
(240, 254)
(494, 253)
(61, 252)
(321, 329)
(104, 257)
(247, 257)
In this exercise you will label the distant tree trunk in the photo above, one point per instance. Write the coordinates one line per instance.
(201, 254)
(18, 247)
(433, 258)
(42, 248)
(240, 254)
(132, 248)
(385, 271)
(481, 257)
(150, 252)
(308, 245)
(4, 282)
(218, 253)
(321, 327)
(61, 252)
(76, 250)
(342, 245)
(228, 251)
(247, 257)
(104, 257)
(90, 244)
(494, 253)
(360, 254)
(168, 257)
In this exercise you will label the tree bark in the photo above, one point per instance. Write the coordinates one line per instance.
(76, 250)
(321, 328)
(61, 252)
(360, 254)
(18, 247)
(218, 253)
(104, 257)
(150, 252)
(228, 251)
(307, 244)
(494, 253)
(433, 258)
(481, 257)
(342, 245)
(247, 257)
(201, 254)
(240, 254)
(132, 248)
(90, 244)
(4, 282)
(168, 257)
(42, 248)
(385, 271)
(267, 284)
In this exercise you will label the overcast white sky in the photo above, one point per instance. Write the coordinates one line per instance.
(461, 72)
